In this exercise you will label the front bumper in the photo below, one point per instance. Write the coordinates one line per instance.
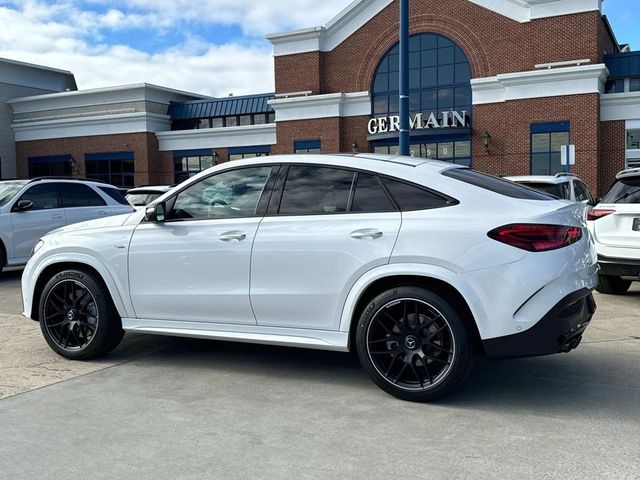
(619, 267)
(560, 330)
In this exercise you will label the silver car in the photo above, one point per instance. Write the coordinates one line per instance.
(31, 208)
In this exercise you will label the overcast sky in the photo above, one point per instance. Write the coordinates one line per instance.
(213, 47)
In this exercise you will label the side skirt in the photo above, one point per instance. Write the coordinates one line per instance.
(288, 337)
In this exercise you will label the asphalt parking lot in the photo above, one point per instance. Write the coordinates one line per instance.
(187, 409)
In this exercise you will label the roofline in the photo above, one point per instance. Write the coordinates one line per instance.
(33, 65)
(607, 25)
(234, 97)
(93, 91)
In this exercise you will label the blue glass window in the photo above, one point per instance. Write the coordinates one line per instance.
(546, 142)
(115, 168)
(439, 78)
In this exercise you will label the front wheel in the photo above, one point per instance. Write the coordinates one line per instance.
(77, 317)
(612, 285)
(414, 344)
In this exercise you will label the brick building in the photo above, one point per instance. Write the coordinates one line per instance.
(499, 86)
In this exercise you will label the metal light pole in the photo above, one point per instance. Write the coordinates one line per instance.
(404, 78)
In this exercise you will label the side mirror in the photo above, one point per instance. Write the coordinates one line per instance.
(23, 206)
(156, 212)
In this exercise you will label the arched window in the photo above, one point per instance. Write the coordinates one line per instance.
(439, 81)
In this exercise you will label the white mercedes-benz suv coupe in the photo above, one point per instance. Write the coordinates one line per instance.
(417, 265)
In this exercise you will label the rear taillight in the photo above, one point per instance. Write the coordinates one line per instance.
(536, 238)
(597, 213)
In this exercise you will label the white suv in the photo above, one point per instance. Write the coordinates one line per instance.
(31, 208)
(562, 185)
(615, 226)
(418, 265)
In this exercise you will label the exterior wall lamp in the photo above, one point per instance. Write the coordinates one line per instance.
(486, 141)
(354, 147)
(214, 157)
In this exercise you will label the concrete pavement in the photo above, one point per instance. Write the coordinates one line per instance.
(187, 409)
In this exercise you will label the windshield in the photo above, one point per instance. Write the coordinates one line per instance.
(626, 190)
(8, 190)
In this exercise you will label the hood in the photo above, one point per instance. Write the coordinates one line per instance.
(113, 221)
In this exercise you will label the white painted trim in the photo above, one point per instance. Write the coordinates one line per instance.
(322, 106)
(91, 125)
(100, 96)
(527, 10)
(359, 12)
(539, 84)
(242, 136)
(633, 154)
(620, 106)
(326, 38)
(635, 123)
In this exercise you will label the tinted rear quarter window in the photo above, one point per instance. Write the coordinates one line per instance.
(495, 184)
(412, 197)
(626, 190)
(78, 195)
(115, 194)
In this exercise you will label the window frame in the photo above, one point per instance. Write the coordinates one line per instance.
(273, 208)
(547, 128)
(261, 206)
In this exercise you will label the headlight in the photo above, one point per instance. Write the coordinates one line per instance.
(37, 247)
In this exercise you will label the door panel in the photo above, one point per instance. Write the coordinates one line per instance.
(196, 266)
(30, 225)
(192, 270)
(303, 267)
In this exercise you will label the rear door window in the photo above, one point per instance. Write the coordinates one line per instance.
(313, 190)
(77, 195)
(626, 190)
(370, 196)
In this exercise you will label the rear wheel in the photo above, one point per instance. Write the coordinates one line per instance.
(414, 344)
(3, 257)
(77, 317)
(612, 285)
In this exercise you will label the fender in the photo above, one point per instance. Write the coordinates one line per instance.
(116, 289)
(420, 270)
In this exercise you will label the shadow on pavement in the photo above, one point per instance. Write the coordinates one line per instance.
(558, 385)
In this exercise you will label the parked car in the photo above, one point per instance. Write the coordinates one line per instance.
(562, 185)
(418, 265)
(143, 196)
(31, 208)
(615, 226)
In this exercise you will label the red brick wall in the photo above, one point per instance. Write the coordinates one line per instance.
(612, 153)
(493, 43)
(151, 166)
(509, 125)
(327, 130)
(299, 73)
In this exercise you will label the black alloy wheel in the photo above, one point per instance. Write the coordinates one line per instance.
(77, 317)
(413, 344)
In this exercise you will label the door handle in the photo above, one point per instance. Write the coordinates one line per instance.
(232, 236)
(370, 233)
(56, 216)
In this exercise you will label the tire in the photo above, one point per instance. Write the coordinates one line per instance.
(3, 257)
(77, 317)
(612, 285)
(413, 344)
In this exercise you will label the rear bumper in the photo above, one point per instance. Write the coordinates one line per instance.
(619, 267)
(560, 330)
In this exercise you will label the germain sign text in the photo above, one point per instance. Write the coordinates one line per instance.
(418, 122)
